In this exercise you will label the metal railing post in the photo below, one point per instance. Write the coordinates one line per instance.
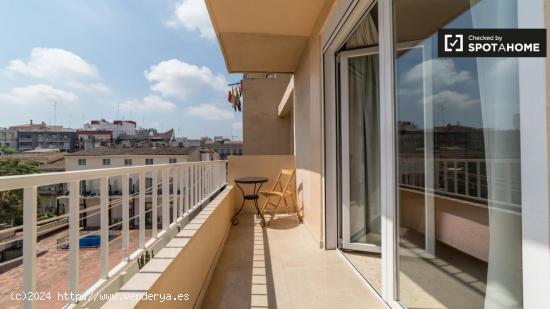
(74, 236)
(29, 244)
(125, 214)
(104, 227)
(141, 210)
(175, 194)
(165, 199)
(154, 204)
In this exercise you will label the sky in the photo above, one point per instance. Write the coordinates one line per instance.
(156, 62)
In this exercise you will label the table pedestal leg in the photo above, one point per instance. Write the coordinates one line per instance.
(235, 220)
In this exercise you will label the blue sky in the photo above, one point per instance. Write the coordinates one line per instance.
(153, 61)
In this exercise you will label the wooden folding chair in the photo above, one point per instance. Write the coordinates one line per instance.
(281, 192)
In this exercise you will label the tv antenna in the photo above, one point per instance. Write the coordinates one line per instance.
(55, 113)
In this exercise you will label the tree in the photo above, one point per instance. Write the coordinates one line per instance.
(11, 211)
(6, 150)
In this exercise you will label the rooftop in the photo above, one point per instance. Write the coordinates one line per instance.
(156, 151)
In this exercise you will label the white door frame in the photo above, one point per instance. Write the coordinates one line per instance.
(533, 94)
(344, 116)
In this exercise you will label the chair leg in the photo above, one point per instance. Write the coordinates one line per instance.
(275, 209)
(265, 204)
(286, 205)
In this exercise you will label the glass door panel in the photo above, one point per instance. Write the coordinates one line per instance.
(361, 209)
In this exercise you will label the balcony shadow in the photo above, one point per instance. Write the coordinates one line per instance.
(283, 222)
(243, 277)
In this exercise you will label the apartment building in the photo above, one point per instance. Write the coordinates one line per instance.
(118, 127)
(8, 137)
(89, 139)
(224, 147)
(123, 157)
(147, 137)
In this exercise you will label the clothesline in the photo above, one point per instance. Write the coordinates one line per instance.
(234, 96)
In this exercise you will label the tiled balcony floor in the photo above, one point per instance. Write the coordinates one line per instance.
(282, 267)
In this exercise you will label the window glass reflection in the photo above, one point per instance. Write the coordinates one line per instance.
(458, 161)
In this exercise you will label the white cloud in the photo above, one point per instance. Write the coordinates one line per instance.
(210, 112)
(59, 67)
(193, 16)
(175, 78)
(149, 103)
(38, 93)
(444, 71)
(53, 63)
(452, 99)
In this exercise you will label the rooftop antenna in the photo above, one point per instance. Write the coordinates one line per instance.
(55, 113)
(118, 111)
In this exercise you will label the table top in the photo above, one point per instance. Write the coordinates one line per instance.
(251, 180)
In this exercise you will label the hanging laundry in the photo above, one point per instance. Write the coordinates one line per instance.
(234, 97)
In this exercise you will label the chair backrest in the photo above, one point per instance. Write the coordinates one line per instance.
(289, 174)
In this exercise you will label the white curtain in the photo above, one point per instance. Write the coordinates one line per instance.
(499, 95)
(364, 137)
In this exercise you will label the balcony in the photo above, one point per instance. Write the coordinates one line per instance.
(195, 253)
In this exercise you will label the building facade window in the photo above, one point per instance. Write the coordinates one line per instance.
(127, 162)
(172, 160)
(81, 162)
(149, 161)
(106, 162)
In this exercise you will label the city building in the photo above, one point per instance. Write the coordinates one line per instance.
(89, 139)
(102, 158)
(123, 157)
(118, 127)
(31, 136)
(147, 137)
(223, 146)
(8, 137)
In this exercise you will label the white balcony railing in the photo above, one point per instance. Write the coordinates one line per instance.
(465, 179)
(193, 184)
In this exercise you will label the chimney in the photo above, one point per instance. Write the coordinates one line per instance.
(31, 121)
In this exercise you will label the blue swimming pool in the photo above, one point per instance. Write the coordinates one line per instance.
(92, 241)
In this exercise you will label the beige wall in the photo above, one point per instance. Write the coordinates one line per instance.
(459, 224)
(308, 137)
(264, 132)
(263, 166)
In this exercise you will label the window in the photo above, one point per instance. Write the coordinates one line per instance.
(128, 162)
(81, 162)
(172, 160)
(149, 161)
(106, 161)
(459, 162)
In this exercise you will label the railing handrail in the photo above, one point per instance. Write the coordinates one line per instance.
(36, 180)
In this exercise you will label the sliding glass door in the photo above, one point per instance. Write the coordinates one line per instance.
(360, 150)
(440, 203)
